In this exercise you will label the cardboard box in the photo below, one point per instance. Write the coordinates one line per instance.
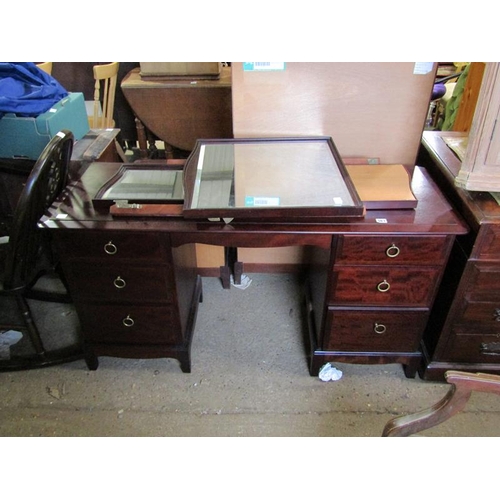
(22, 137)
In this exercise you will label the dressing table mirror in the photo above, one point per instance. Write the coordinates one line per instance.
(277, 179)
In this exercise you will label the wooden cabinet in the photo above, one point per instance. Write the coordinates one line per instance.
(130, 297)
(378, 297)
(480, 170)
(464, 330)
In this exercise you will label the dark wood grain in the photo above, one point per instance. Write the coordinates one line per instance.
(347, 259)
(463, 327)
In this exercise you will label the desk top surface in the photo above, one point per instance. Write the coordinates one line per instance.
(75, 210)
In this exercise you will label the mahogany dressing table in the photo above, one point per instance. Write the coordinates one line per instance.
(370, 283)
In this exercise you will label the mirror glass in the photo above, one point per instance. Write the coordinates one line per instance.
(268, 174)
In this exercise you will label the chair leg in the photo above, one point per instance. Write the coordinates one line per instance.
(33, 332)
(454, 401)
(462, 385)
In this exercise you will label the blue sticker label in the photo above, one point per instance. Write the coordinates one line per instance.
(262, 201)
(264, 66)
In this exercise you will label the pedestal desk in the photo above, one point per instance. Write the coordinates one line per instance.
(468, 308)
(370, 284)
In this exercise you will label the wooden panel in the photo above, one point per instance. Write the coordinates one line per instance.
(284, 255)
(480, 168)
(472, 349)
(136, 246)
(208, 256)
(467, 108)
(489, 245)
(480, 317)
(382, 330)
(430, 250)
(379, 285)
(372, 110)
(120, 282)
(483, 282)
(151, 324)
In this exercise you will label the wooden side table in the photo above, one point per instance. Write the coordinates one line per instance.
(180, 111)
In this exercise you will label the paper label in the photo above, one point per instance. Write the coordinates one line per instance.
(262, 201)
(264, 66)
(422, 68)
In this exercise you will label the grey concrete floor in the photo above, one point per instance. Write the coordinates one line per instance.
(249, 378)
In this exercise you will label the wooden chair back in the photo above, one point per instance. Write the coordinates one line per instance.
(105, 74)
(46, 66)
(45, 182)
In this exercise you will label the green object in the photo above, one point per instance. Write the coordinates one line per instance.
(451, 110)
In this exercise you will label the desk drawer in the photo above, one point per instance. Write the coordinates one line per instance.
(120, 282)
(484, 282)
(479, 317)
(374, 330)
(490, 244)
(378, 285)
(464, 348)
(111, 246)
(130, 324)
(425, 250)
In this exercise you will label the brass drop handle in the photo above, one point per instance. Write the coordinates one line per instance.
(496, 314)
(119, 282)
(383, 286)
(392, 251)
(493, 348)
(379, 328)
(110, 248)
(128, 321)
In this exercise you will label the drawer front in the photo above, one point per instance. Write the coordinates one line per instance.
(120, 282)
(489, 244)
(374, 331)
(130, 324)
(112, 246)
(384, 286)
(479, 317)
(424, 250)
(473, 349)
(484, 283)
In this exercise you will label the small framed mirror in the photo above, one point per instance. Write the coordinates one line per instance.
(145, 184)
(282, 179)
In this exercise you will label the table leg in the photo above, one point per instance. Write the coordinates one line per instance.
(141, 138)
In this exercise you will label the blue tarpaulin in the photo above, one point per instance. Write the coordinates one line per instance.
(26, 90)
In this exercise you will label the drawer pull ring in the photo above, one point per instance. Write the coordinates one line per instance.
(119, 282)
(379, 328)
(392, 251)
(496, 314)
(492, 348)
(128, 321)
(383, 286)
(110, 248)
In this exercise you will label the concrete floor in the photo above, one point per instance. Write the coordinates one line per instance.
(249, 378)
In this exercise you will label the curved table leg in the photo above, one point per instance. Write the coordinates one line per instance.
(453, 402)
